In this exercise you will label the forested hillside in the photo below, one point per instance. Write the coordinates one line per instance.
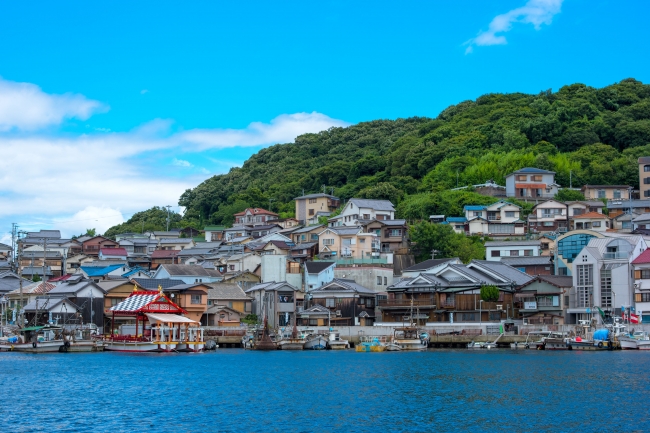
(596, 134)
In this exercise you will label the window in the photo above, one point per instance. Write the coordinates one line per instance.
(314, 237)
(370, 303)
(601, 193)
(362, 301)
(231, 267)
(514, 253)
(328, 241)
(198, 280)
(522, 178)
(646, 193)
(379, 281)
(366, 216)
(495, 253)
(646, 180)
(528, 253)
(329, 302)
(643, 274)
(627, 225)
(617, 193)
(585, 285)
(536, 178)
(311, 212)
(548, 224)
(303, 237)
(510, 214)
(646, 168)
(477, 213)
(312, 200)
(114, 301)
(605, 288)
(578, 212)
(547, 301)
(385, 281)
(395, 232)
(522, 192)
(595, 224)
(362, 240)
(195, 299)
(285, 298)
(642, 297)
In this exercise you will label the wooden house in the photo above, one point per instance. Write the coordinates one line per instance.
(346, 301)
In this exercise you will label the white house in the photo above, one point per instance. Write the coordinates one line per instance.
(242, 263)
(318, 274)
(189, 274)
(549, 216)
(357, 211)
(112, 254)
(603, 277)
(498, 219)
(530, 182)
(494, 250)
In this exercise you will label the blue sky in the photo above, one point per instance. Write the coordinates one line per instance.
(107, 109)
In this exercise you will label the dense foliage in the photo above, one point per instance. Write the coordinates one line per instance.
(442, 239)
(148, 220)
(490, 293)
(586, 135)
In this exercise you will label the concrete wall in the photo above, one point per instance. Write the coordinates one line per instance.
(274, 268)
(367, 276)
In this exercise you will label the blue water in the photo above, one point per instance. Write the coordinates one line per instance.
(232, 390)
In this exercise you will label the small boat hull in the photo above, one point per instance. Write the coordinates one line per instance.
(628, 343)
(643, 345)
(138, 346)
(338, 345)
(291, 345)
(316, 343)
(366, 347)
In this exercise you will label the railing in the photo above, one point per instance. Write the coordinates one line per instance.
(406, 302)
(448, 304)
(617, 255)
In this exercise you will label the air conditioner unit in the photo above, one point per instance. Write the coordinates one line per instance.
(499, 307)
(525, 321)
(338, 313)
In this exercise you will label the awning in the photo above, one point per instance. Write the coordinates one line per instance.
(32, 328)
(579, 310)
(169, 318)
(525, 295)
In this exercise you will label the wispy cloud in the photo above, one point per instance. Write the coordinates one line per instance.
(24, 106)
(535, 12)
(181, 163)
(282, 129)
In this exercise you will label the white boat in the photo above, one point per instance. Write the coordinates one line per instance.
(643, 344)
(334, 342)
(410, 338)
(392, 347)
(531, 342)
(315, 342)
(40, 339)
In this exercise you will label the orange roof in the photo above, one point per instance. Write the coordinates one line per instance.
(255, 211)
(589, 215)
(530, 185)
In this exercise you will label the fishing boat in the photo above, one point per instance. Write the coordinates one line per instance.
(334, 341)
(643, 344)
(314, 341)
(291, 341)
(410, 338)
(484, 345)
(263, 340)
(601, 339)
(531, 342)
(37, 339)
(371, 344)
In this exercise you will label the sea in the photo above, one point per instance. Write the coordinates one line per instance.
(232, 390)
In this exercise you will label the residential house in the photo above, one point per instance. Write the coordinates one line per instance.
(642, 222)
(436, 219)
(603, 277)
(189, 232)
(175, 243)
(287, 223)
(452, 294)
(245, 280)
(349, 243)
(5, 251)
(104, 272)
(641, 286)
(193, 298)
(494, 250)
(29, 292)
(276, 302)
(165, 257)
(498, 219)
(236, 233)
(214, 233)
(91, 247)
(318, 274)
(86, 295)
(30, 271)
(158, 235)
(548, 216)
(346, 301)
(115, 292)
(530, 182)
(622, 223)
(374, 277)
(392, 235)
(246, 262)
(618, 207)
(577, 208)
(254, 216)
(568, 246)
(644, 177)
(538, 265)
(304, 251)
(61, 309)
(590, 221)
(490, 188)
(219, 315)
(429, 266)
(138, 246)
(547, 246)
(307, 234)
(457, 224)
(229, 295)
(11, 281)
(358, 211)
(34, 259)
(113, 254)
(311, 206)
(610, 192)
(189, 274)
(543, 300)
(274, 267)
(75, 262)
(129, 235)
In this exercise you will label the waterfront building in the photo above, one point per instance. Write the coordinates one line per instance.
(544, 299)
(229, 295)
(346, 301)
(275, 301)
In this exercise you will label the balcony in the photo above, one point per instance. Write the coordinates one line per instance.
(431, 302)
(616, 255)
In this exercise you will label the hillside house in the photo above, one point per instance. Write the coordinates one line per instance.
(358, 211)
(498, 219)
(348, 242)
(275, 301)
(346, 301)
(494, 250)
(610, 192)
(548, 216)
(531, 183)
(92, 246)
(311, 206)
(254, 216)
(189, 274)
(392, 235)
(318, 274)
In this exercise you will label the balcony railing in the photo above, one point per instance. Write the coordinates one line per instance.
(616, 255)
(449, 304)
(406, 302)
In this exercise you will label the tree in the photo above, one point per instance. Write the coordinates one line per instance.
(250, 319)
(569, 195)
(91, 232)
(442, 238)
(490, 293)
(36, 278)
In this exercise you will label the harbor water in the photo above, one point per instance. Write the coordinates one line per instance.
(233, 390)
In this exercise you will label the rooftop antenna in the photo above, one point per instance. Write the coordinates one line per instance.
(168, 206)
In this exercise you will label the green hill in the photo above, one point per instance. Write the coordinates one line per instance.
(596, 134)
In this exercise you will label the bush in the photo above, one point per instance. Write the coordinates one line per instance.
(490, 293)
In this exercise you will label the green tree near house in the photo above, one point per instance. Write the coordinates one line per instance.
(569, 195)
(36, 278)
(490, 293)
(426, 237)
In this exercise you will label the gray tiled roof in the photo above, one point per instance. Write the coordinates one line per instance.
(190, 270)
(505, 271)
(153, 283)
(427, 264)
(382, 205)
(308, 229)
(343, 285)
(225, 291)
(316, 196)
(512, 243)
(526, 261)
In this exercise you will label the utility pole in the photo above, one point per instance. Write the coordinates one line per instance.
(168, 206)
(433, 254)
(270, 200)
(44, 257)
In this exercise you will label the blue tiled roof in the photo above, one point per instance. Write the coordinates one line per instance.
(93, 271)
(474, 207)
(135, 271)
(456, 219)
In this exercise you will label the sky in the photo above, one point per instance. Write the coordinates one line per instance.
(110, 108)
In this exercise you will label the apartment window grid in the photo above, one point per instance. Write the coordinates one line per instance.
(585, 285)
(606, 288)
(328, 241)
(642, 297)
(646, 168)
(195, 299)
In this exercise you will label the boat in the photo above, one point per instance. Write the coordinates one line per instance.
(392, 347)
(601, 339)
(263, 340)
(410, 338)
(38, 339)
(291, 341)
(643, 344)
(334, 342)
(371, 344)
(554, 341)
(314, 341)
(485, 344)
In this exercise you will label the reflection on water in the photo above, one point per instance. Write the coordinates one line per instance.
(243, 391)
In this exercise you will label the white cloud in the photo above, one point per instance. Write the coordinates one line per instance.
(181, 163)
(100, 218)
(24, 106)
(282, 129)
(535, 12)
